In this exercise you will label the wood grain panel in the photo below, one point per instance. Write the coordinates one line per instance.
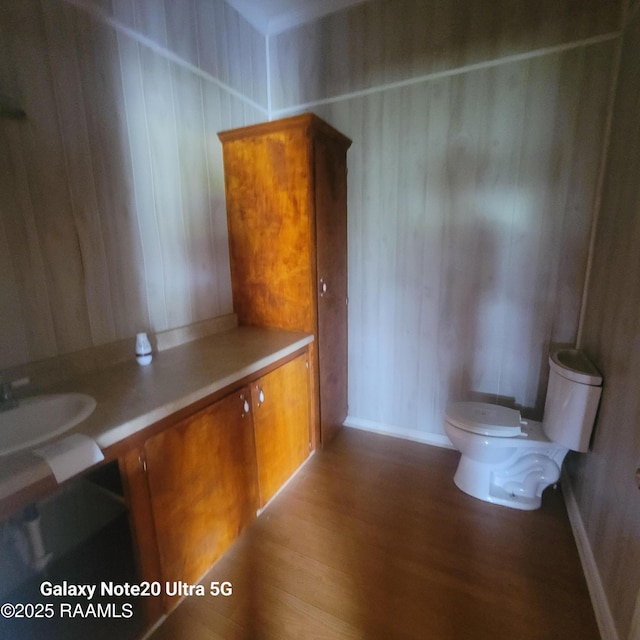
(469, 261)
(205, 19)
(270, 174)
(215, 119)
(182, 29)
(138, 134)
(331, 256)
(363, 297)
(411, 135)
(386, 41)
(468, 232)
(60, 36)
(13, 342)
(537, 222)
(387, 217)
(41, 143)
(603, 481)
(123, 11)
(112, 171)
(597, 69)
(28, 268)
(281, 411)
(163, 149)
(194, 184)
(112, 190)
(222, 112)
(150, 19)
(136, 491)
(201, 474)
(209, 34)
(434, 199)
(498, 198)
(245, 55)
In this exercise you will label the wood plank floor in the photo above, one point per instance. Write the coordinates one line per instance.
(372, 540)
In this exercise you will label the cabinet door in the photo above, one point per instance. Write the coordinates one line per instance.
(268, 186)
(281, 422)
(331, 233)
(202, 486)
(136, 487)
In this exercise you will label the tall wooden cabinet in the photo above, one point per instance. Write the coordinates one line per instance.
(286, 191)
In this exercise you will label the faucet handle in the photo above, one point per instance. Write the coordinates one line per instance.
(7, 386)
(6, 390)
(7, 401)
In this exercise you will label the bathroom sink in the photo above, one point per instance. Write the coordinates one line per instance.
(39, 418)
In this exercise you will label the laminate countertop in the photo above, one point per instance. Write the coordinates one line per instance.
(130, 397)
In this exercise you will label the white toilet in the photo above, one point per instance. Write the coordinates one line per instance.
(510, 461)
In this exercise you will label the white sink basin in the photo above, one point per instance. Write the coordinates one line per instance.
(39, 418)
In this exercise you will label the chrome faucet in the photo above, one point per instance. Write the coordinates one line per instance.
(7, 401)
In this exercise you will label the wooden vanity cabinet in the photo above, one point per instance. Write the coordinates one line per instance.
(286, 193)
(281, 407)
(192, 486)
(202, 485)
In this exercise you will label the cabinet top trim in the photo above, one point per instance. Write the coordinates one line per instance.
(306, 121)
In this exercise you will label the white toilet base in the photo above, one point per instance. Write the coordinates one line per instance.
(518, 486)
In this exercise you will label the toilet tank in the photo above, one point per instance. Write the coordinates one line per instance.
(573, 394)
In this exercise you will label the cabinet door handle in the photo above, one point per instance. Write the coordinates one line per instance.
(142, 461)
(245, 405)
(323, 287)
(261, 396)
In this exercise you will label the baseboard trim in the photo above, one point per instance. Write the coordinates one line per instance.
(599, 602)
(434, 439)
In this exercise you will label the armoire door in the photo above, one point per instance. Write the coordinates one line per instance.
(331, 236)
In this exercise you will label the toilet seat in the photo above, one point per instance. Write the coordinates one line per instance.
(485, 419)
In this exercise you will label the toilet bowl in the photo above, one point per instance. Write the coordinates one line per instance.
(510, 461)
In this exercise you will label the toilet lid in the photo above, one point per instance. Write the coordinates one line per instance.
(485, 419)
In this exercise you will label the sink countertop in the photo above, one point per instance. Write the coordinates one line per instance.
(131, 397)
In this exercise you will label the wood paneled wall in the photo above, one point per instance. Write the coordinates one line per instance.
(603, 480)
(112, 216)
(472, 181)
(478, 130)
(469, 216)
(387, 41)
(208, 34)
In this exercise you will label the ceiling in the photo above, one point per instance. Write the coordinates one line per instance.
(275, 16)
